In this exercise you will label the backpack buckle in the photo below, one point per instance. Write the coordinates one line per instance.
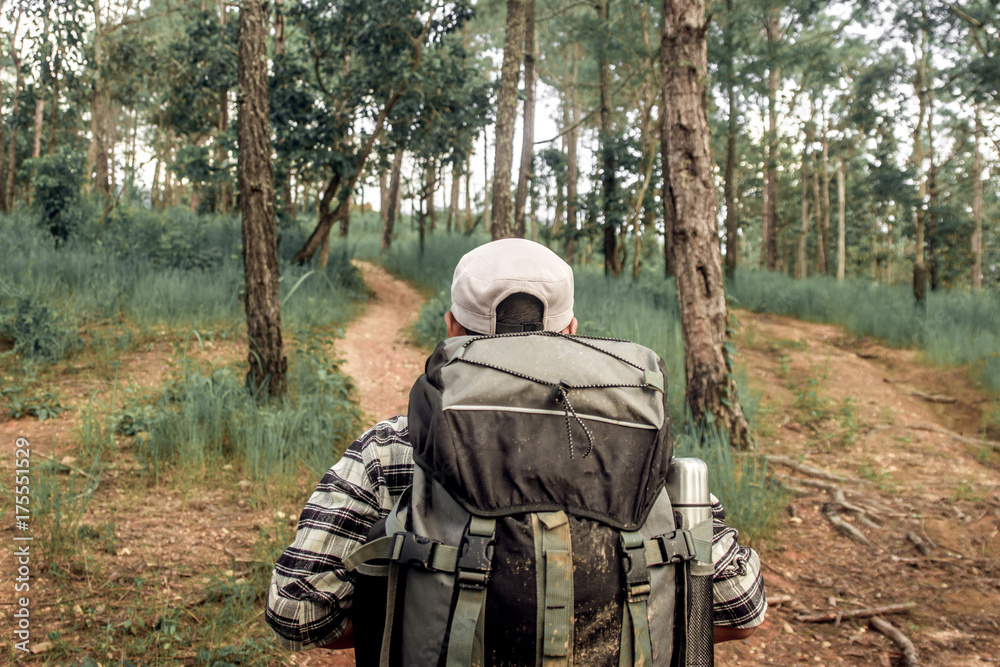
(634, 568)
(413, 549)
(476, 559)
(677, 546)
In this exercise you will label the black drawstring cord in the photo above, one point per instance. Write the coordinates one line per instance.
(561, 395)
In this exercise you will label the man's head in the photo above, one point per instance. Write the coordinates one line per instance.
(511, 285)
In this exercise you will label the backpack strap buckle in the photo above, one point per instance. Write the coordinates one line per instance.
(634, 568)
(677, 546)
(476, 558)
(412, 549)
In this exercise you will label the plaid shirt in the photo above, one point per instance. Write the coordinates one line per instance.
(309, 600)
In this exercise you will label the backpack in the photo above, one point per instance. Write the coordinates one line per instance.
(538, 529)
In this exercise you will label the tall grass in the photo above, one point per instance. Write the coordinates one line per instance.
(954, 328)
(154, 269)
(204, 420)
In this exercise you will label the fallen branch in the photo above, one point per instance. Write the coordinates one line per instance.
(933, 398)
(910, 658)
(830, 512)
(957, 436)
(864, 515)
(832, 616)
(826, 486)
(809, 470)
(919, 543)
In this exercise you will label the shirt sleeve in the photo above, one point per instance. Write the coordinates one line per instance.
(739, 600)
(309, 599)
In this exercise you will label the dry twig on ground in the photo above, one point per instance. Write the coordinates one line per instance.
(910, 658)
(832, 616)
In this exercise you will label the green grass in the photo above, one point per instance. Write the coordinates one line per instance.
(155, 271)
(204, 420)
(955, 328)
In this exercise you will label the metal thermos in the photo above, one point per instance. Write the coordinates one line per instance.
(687, 486)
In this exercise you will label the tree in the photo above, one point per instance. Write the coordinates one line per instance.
(528, 129)
(510, 73)
(353, 63)
(256, 182)
(689, 195)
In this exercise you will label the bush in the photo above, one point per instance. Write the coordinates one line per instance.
(58, 180)
(38, 333)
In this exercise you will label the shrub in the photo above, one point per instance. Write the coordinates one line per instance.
(57, 180)
(39, 334)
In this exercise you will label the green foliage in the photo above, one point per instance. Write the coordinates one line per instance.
(39, 332)
(156, 269)
(24, 401)
(57, 181)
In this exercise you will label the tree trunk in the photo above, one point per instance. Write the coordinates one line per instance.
(690, 193)
(932, 196)
(468, 195)
(54, 115)
(225, 187)
(609, 182)
(919, 269)
(668, 209)
(824, 202)
(528, 126)
(729, 191)
(383, 196)
(392, 200)
(260, 257)
(800, 256)
(98, 153)
(36, 144)
(769, 231)
(841, 220)
(3, 180)
(572, 171)
(336, 185)
(12, 150)
(456, 186)
(510, 74)
(430, 185)
(487, 200)
(977, 206)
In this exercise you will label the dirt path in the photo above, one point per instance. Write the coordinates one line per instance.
(859, 410)
(383, 363)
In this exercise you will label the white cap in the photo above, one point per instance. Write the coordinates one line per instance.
(489, 274)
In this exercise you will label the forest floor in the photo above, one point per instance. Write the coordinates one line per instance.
(885, 427)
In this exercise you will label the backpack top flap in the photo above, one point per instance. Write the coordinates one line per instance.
(541, 422)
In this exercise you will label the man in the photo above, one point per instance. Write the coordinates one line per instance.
(506, 286)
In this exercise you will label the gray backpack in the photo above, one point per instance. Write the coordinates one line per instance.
(538, 529)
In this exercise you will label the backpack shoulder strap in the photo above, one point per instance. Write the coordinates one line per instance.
(472, 576)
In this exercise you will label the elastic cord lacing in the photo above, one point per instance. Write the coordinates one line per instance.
(562, 396)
